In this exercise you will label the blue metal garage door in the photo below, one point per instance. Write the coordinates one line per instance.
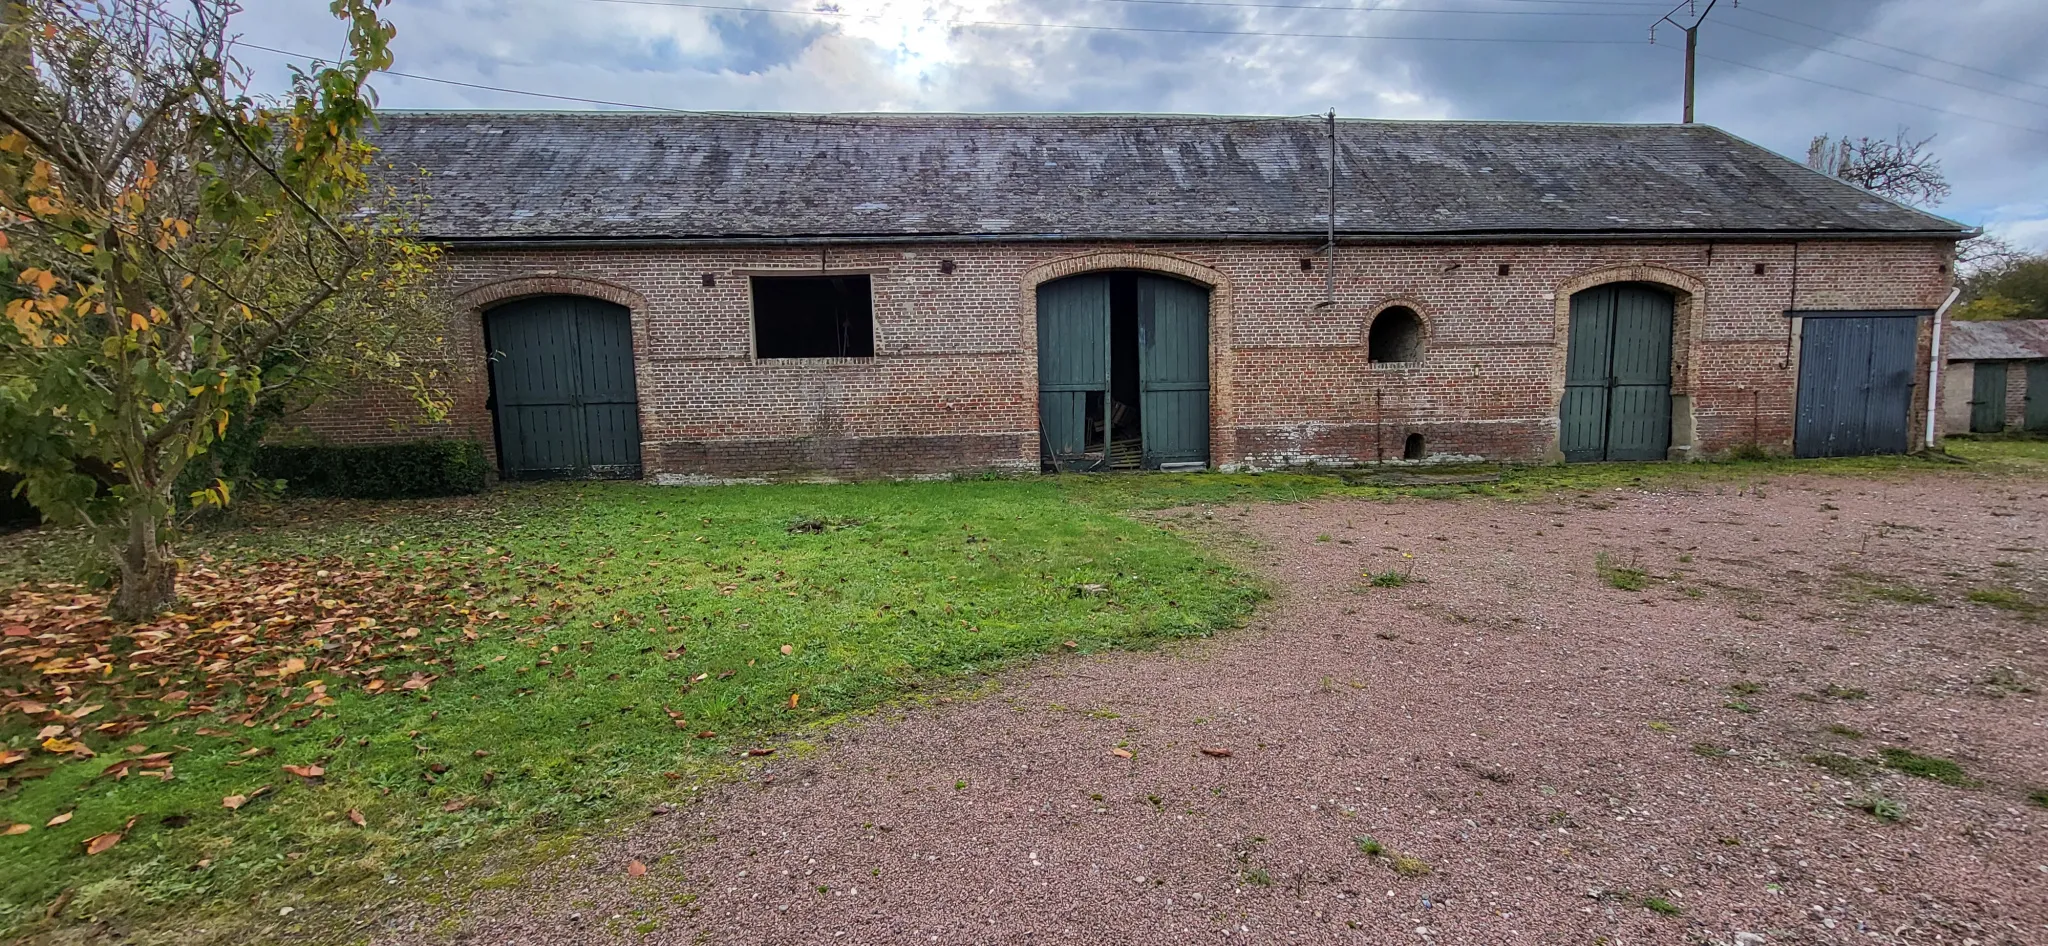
(1855, 382)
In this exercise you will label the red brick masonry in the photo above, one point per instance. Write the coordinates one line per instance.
(952, 386)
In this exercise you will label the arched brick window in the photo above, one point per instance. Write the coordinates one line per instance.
(1395, 337)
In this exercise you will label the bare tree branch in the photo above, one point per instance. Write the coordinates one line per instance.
(1902, 168)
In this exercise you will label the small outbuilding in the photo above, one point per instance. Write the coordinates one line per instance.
(1996, 377)
(691, 297)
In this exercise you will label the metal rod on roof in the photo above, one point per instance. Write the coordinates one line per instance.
(1330, 249)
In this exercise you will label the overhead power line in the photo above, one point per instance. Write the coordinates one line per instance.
(1376, 11)
(811, 120)
(1442, 11)
(1897, 49)
(1874, 95)
(1164, 124)
(1884, 65)
(1080, 27)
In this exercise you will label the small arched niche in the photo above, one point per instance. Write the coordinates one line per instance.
(1395, 337)
(1414, 448)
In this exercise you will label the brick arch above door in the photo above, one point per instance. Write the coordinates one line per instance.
(1222, 432)
(507, 289)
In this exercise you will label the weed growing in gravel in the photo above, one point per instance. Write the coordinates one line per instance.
(1937, 768)
(2038, 798)
(1658, 725)
(1882, 807)
(1392, 578)
(1846, 732)
(1896, 592)
(1661, 905)
(1629, 577)
(1408, 865)
(1745, 688)
(1257, 877)
(1742, 706)
(1711, 751)
(1836, 691)
(1841, 766)
(2004, 599)
(2001, 682)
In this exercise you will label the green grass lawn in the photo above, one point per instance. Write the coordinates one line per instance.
(677, 601)
(655, 635)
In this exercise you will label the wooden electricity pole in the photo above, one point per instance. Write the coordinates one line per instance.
(1692, 43)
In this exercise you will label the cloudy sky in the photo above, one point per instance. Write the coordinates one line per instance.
(1969, 72)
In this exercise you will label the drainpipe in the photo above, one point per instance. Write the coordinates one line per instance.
(1330, 247)
(1934, 365)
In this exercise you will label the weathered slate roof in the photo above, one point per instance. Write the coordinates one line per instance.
(1996, 341)
(663, 176)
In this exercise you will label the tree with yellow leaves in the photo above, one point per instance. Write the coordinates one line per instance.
(178, 250)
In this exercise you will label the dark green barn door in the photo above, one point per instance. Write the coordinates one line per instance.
(1987, 398)
(1617, 388)
(1073, 371)
(562, 388)
(2037, 396)
(1173, 370)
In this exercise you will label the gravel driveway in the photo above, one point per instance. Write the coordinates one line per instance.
(1536, 755)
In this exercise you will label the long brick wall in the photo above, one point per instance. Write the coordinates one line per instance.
(952, 385)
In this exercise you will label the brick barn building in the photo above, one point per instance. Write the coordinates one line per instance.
(698, 297)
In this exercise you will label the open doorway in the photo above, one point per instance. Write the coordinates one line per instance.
(1126, 432)
(1123, 372)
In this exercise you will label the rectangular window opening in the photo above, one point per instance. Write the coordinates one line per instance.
(813, 317)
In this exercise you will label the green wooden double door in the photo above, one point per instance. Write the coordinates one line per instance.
(1085, 394)
(1988, 395)
(1617, 384)
(562, 388)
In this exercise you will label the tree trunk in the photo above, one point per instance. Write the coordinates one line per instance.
(149, 579)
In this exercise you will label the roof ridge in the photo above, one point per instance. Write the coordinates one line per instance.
(1203, 117)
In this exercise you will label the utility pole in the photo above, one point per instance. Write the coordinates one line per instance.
(1692, 42)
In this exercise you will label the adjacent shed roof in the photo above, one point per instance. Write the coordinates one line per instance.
(640, 176)
(2017, 339)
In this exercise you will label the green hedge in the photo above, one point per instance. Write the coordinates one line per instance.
(393, 471)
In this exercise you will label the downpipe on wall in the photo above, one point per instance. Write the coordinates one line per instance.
(1934, 364)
